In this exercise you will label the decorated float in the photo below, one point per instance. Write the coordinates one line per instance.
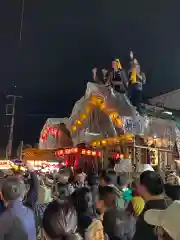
(106, 122)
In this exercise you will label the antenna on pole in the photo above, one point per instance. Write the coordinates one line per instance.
(11, 113)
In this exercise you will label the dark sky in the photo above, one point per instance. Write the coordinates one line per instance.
(62, 40)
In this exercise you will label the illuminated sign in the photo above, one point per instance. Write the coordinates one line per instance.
(68, 151)
(5, 164)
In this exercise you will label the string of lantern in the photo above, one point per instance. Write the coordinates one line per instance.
(68, 151)
(100, 103)
(111, 141)
(49, 130)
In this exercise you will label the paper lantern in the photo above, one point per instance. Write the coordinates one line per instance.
(89, 152)
(104, 142)
(78, 122)
(83, 116)
(119, 122)
(93, 153)
(83, 151)
(75, 150)
(94, 144)
(121, 156)
(74, 128)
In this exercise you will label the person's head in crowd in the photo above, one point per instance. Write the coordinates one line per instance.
(63, 176)
(107, 178)
(106, 198)
(59, 221)
(150, 185)
(81, 177)
(78, 171)
(82, 200)
(136, 206)
(172, 178)
(18, 173)
(166, 221)
(13, 188)
(172, 191)
(93, 179)
(122, 180)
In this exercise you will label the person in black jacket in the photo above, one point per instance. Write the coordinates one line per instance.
(151, 188)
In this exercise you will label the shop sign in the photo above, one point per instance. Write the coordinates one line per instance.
(4, 164)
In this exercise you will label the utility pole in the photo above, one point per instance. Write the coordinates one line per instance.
(12, 107)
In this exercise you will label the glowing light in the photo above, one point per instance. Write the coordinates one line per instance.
(55, 131)
(104, 142)
(116, 155)
(119, 122)
(94, 144)
(74, 128)
(78, 122)
(60, 152)
(83, 116)
(102, 106)
(98, 154)
(75, 150)
(89, 152)
(88, 109)
(93, 153)
(155, 136)
(67, 151)
(83, 151)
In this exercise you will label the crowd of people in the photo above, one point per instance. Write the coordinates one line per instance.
(106, 205)
(130, 81)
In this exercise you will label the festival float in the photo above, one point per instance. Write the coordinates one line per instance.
(104, 125)
(109, 128)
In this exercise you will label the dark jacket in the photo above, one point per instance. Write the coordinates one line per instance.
(118, 225)
(2, 207)
(32, 195)
(172, 191)
(144, 230)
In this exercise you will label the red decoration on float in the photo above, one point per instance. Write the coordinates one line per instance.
(118, 156)
(50, 130)
(76, 163)
(68, 151)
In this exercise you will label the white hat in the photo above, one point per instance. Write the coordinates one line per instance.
(144, 167)
(124, 166)
(168, 219)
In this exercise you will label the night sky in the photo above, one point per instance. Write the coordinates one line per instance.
(62, 40)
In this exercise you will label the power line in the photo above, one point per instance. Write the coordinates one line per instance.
(42, 115)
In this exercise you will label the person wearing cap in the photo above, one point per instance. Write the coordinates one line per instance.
(151, 189)
(166, 221)
(17, 221)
